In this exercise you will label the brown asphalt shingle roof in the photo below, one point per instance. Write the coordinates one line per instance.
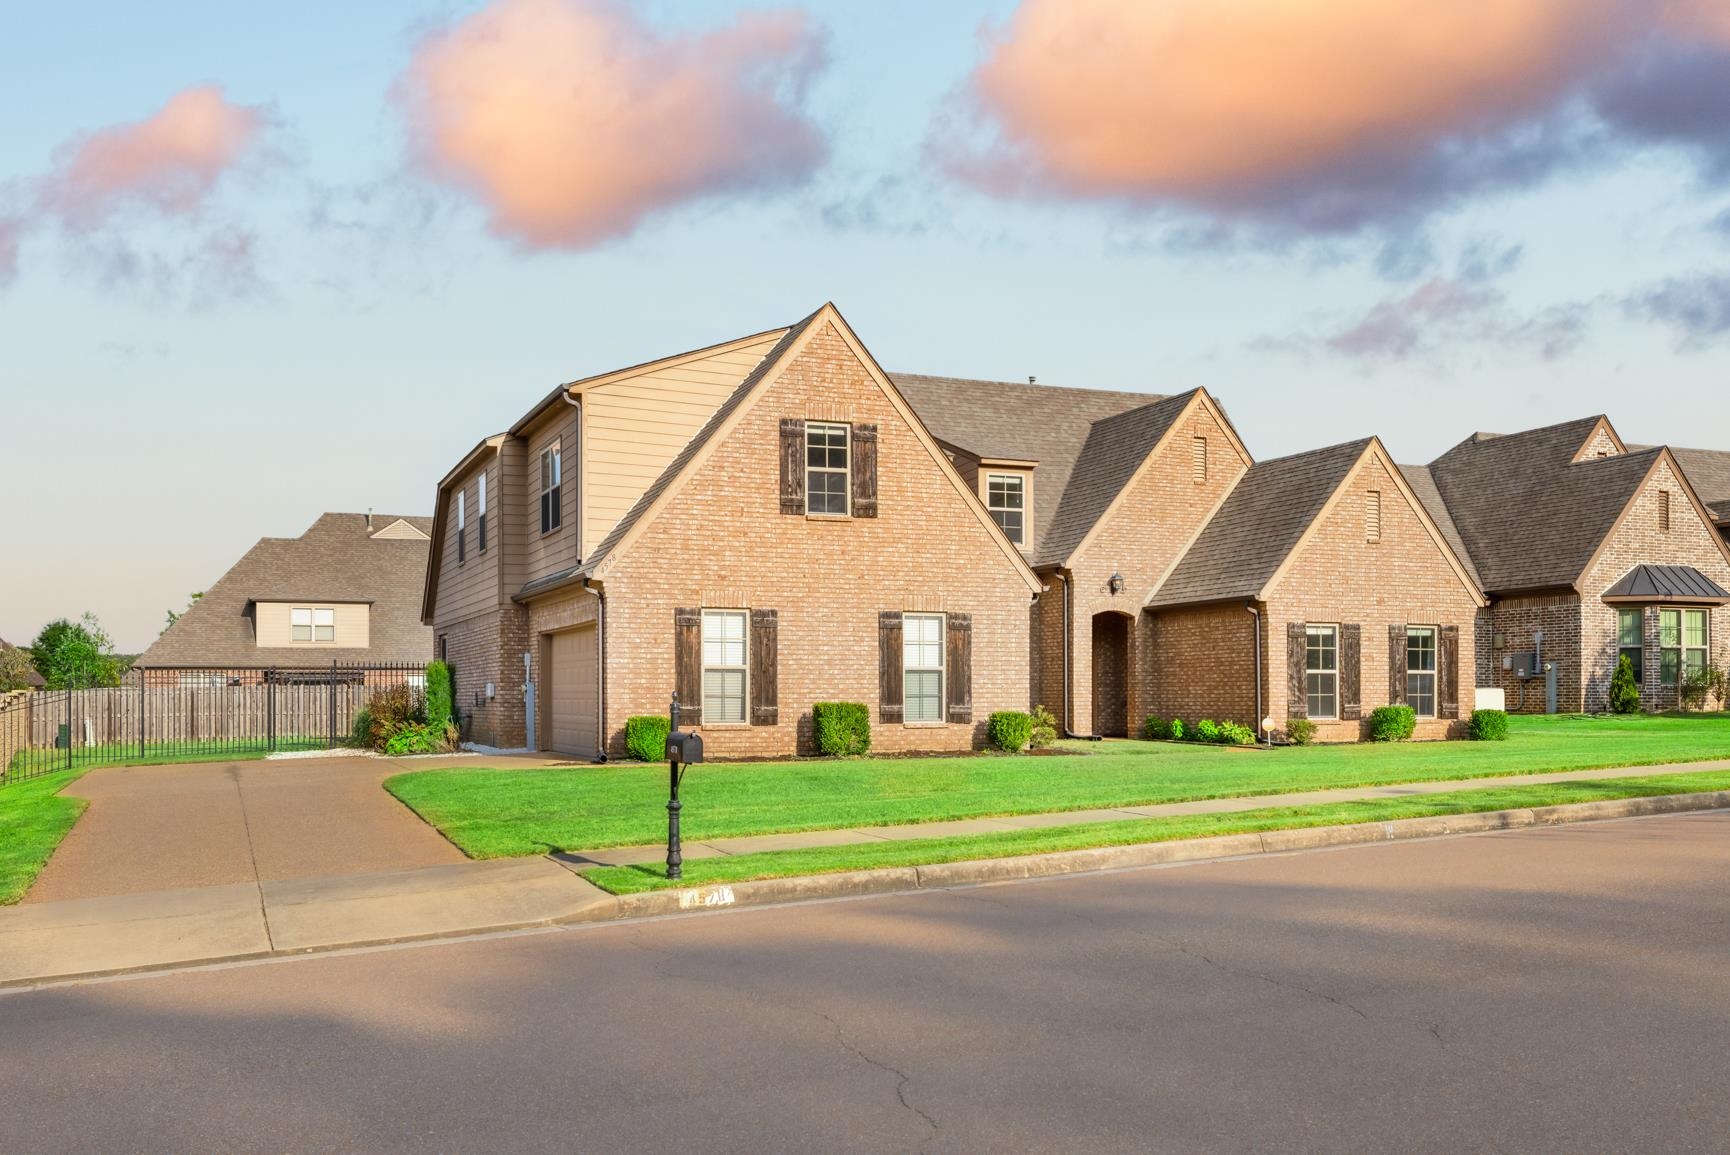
(336, 560)
(1528, 516)
(1708, 471)
(1259, 525)
(1087, 442)
(1423, 484)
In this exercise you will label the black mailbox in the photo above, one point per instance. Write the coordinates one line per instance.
(684, 746)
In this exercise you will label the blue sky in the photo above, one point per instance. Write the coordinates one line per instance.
(332, 324)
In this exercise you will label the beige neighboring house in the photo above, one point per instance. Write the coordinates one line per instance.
(347, 591)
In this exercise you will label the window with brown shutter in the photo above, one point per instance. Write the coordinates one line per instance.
(889, 666)
(1448, 672)
(1351, 672)
(688, 664)
(960, 672)
(765, 662)
(1397, 665)
(1296, 662)
(792, 465)
(864, 466)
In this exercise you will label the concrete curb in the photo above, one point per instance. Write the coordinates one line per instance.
(901, 880)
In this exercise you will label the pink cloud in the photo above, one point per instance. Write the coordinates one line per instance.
(1324, 113)
(571, 120)
(170, 161)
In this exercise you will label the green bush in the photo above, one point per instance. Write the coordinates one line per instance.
(1392, 723)
(841, 728)
(1489, 726)
(1155, 729)
(1234, 734)
(1624, 690)
(646, 737)
(1700, 686)
(1044, 735)
(1300, 731)
(360, 731)
(1178, 732)
(1207, 730)
(440, 697)
(1009, 730)
(415, 738)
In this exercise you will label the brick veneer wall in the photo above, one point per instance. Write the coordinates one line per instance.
(14, 725)
(829, 579)
(1202, 665)
(1639, 540)
(1512, 625)
(488, 647)
(1157, 518)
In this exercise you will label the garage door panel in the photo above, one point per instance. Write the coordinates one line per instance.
(572, 700)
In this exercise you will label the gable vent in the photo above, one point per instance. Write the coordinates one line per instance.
(1664, 510)
(1198, 459)
(1373, 516)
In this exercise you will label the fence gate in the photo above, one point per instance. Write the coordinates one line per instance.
(189, 714)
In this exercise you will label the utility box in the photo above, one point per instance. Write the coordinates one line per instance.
(1524, 664)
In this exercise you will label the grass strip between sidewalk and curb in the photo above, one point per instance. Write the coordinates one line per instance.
(34, 817)
(925, 852)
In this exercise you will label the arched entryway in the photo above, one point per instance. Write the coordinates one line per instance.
(1111, 675)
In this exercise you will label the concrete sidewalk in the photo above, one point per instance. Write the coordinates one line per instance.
(716, 847)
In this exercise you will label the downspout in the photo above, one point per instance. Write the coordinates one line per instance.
(1068, 681)
(1256, 613)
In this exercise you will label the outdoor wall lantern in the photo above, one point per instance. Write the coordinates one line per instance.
(1115, 582)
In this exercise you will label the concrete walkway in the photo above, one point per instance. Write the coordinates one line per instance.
(715, 847)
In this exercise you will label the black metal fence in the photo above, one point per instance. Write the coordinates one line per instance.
(189, 714)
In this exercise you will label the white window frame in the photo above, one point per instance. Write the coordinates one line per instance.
(308, 618)
(552, 481)
(910, 668)
(1635, 651)
(1434, 634)
(844, 470)
(462, 527)
(1019, 537)
(1328, 676)
(711, 716)
(481, 511)
(295, 625)
(1686, 657)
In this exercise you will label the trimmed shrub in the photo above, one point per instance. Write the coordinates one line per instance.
(440, 698)
(361, 729)
(1044, 735)
(646, 737)
(1207, 730)
(415, 738)
(1392, 723)
(1155, 729)
(1179, 732)
(1009, 730)
(1488, 726)
(1300, 731)
(1234, 734)
(841, 728)
(1624, 690)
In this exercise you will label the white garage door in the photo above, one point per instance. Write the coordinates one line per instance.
(571, 698)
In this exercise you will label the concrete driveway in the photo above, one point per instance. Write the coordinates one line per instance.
(155, 828)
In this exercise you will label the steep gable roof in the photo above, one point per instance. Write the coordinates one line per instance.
(1423, 485)
(339, 559)
(1262, 521)
(1529, 515)
(1708, 472)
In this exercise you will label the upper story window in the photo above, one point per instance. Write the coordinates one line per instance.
(462, 527)
(1006, 498)
(1421, 670)
(1322, 671)
(825, 468)
(311, 624)
(1684, 637)
(1631, 642)
(724, 666)
(552, 487)
(481, 511)
(922, 667)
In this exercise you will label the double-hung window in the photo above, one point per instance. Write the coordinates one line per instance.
(1421, 670)
(1322, 671)
(481, 511)
(1683, 639)
(462, 528)
(307, 624)
(1631, 641)
(922, 667)
(1006, 498)
(552, 487)
(825, 468)
(724, 668)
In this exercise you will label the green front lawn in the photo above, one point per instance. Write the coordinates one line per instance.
(924, 852)
(33, 820)
(502, 813)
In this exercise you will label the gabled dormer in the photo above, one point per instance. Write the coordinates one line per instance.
(1602, 442)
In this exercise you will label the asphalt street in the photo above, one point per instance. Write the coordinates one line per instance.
(1563, 989)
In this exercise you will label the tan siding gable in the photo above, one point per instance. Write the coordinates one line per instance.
(272, 622)
(635, 426)
(400, 530)
(473, 586)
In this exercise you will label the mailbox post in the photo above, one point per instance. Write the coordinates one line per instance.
(683, 748)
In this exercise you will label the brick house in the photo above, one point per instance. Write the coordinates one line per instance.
(1319, 572)
(1588, 550)
(347, 590)
(1102, 492)
(759, 525)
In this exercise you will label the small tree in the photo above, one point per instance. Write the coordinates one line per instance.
(16, 669)
(75, 655)
(1624, 690)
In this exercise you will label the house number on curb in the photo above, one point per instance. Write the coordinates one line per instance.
(718, 896)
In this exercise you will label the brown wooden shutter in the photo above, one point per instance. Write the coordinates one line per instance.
(792, 465)
(1397, 665)
(1448, 672)
(1351, 673)
(960, 662)
(1297, 640)
(688, 664)
(864, 467)
(765, 660)
(889, 672)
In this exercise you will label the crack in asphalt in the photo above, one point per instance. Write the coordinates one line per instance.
(902, 1077)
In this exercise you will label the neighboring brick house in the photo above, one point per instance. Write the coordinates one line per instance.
(1321, 589)
(1102, 491)
(759, 525)
(347, 591)
(1587, 550)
